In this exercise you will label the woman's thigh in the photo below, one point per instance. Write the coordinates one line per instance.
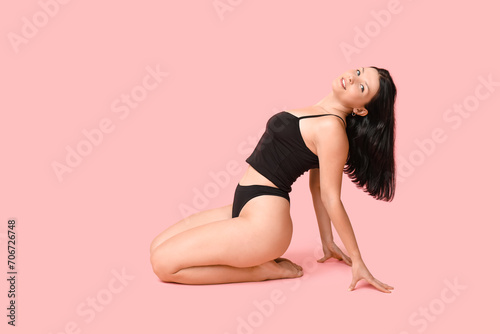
(194, 220)
(261, 233)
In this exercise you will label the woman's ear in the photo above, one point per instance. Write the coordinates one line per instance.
(360, 111)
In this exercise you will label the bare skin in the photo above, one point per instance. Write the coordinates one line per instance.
(333, 251)
(210, 247)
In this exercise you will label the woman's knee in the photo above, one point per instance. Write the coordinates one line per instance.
(163, 265)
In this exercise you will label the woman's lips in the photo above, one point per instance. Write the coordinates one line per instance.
(342, 82)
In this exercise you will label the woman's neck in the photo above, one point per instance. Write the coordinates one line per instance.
(331, 105)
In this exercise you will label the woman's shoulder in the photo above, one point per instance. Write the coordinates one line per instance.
(330, 134)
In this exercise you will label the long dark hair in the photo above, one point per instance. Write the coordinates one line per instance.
(370, 162)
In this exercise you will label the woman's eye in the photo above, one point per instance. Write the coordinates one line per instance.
(358, 72)
(362, 88)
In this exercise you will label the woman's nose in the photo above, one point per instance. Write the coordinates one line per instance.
(350, 79)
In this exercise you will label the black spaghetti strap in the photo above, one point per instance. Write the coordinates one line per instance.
(323, 115)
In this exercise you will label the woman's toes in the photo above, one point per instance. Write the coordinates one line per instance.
(296, 265)
(290, 265)
(290, 270)
(294, 272)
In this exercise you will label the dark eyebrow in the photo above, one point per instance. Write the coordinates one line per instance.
(365, 81)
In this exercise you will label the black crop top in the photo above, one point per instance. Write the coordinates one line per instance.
(281, 155)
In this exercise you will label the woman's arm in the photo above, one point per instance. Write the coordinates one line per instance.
(324, 223)
(333, 147)
(330, 249)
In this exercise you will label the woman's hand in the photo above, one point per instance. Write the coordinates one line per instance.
(360, 271)
(330, 249)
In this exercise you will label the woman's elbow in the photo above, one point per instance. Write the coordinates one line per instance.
(329, 196)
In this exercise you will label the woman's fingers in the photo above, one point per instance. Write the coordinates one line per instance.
(373, 281)
(323, 259)
(383, 284)
(387, 286)
(333, 251)
(353, 284)
(338, 256)
(379, 285)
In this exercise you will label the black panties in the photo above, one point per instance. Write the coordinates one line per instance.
(243, 194)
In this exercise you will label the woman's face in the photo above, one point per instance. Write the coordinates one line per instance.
(356, 87)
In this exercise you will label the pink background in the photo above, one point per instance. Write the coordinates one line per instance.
(227, 74)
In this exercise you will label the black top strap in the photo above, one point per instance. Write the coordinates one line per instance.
(308, 116)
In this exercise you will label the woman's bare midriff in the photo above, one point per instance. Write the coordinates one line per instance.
(252, 177)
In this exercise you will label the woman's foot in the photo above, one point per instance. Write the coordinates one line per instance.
(280, 268)
(282, 259)
(288, 268)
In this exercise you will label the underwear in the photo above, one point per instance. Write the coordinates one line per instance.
(243, 194)
(281, 155)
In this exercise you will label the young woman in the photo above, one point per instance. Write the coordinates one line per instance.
(349, 131)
